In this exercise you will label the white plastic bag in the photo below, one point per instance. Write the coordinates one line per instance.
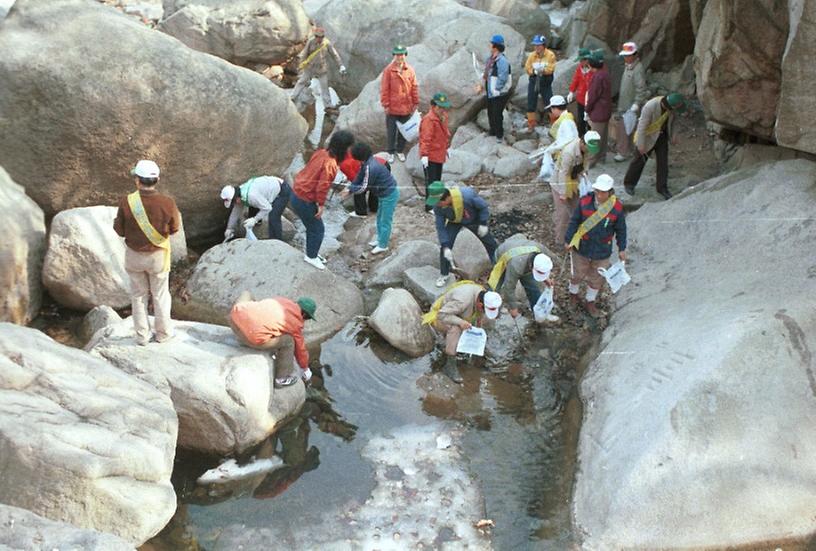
(630, 119)
(615, 276)
(544, 305)
(584, 186)
(251, 235)
(547, 168)
(410, 128)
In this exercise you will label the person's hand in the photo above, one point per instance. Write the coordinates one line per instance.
(642, 150)
(306, 375)
(229, 234)
(424, 161)
(319, 212)
(570, 97)
(343, 70)
(447, 254)
(465, 325)
(514, 312)
(250, 222)
(635, 108)
(622, 256)
(481, 231)
(479, 88)
(586, 117)
(567, 247)
(549, 282)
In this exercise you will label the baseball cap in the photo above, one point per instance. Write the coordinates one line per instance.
(583, 53)
(629, 48)
(441, 99)
(557, 101)
(542, 265)
(435, 191)
(308, 306)
(319, 31)
(675, 101)
(145, 169)
(399, 49)
(227, 194)
(593, 141)
(492, 304)
(604, 182)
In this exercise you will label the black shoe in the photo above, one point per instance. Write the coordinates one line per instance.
(452, 371)
(629, 189)
(665, 193)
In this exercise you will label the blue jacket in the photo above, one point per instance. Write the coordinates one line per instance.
(375, 177)
(597, 243)
(476, 213)
(500, 70)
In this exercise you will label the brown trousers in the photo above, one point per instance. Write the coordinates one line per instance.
(585, 269)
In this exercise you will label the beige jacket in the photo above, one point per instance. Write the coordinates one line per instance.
(650, 113)
(459, 305)
(633, 87)
(570, 156)
(319, 65)
(517, 268)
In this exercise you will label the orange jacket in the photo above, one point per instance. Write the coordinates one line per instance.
(313, 182)
(263, 320)
(399, 91)
(434, 136)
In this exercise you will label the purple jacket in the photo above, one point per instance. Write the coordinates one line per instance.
(599, 96)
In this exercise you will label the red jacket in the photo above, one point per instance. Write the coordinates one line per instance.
(399, 91)
(263, 320)
(434, 136)
(599, 96)
(313, 182)
(351, 166)
(579, 85)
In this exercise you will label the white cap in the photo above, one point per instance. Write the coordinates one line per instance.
(604, 182)
(557, 101)
(592, 136)
(227, 193)
(629, 48)
(146, 169)
(542, 265)
(492, 304)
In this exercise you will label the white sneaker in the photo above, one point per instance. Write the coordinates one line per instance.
(401, 157)
(551, 318)
(390, 159)
(378, 250)
(441, 281)
(619, 158)
(353, 214)
(373, 243)
(321, 259)
(314, 262)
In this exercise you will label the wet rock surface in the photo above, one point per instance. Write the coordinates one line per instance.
(398, 318)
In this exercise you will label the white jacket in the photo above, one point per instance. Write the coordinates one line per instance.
(259, 193)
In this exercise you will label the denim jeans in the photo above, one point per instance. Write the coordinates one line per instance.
(538, 85)
(314, 226)
(396, 143)
(385, 215)
(278, 206)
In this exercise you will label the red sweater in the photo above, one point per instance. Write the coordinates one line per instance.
(434, 136)
(263, 320)
(313, 182)
(580, 84)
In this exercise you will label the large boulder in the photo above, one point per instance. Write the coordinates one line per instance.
(699, 423)
(408, 255)
(420, 281)
(398, 319)
(242, 32)
(24, 530)
(524, 15)
(365, 36)
(460, 165)
(75, 114)
(221, 391)
(22, 224)
(81, 441)
(267, 269)
(85, 263)
(470, 255)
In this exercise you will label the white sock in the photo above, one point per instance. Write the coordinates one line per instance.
(573, 288)
(591, 294)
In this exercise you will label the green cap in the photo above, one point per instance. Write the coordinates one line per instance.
(441, 99)
(597, 55)
(308, 306)
(583, 53)
(435, 191)
(399, 49)
(676, 102)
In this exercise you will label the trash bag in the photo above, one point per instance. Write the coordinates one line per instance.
(584, 186)
(547, 168)
(630, 119)
(615, 276)
(544, 306)
(410, 128)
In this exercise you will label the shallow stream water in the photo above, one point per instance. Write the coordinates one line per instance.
(390, 455)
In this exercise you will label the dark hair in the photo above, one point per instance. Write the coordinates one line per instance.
(576, 171)
(445, 195)
(361, 151)
(481, 296)
(339, 144)
(499, 47)
(147, 181)
(595, 63)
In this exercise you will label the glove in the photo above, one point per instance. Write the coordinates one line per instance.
(586, 116)
(250, 222)
(306, 375)
(229, 234)
(570, 97)
(424, 161)
(635, 108)
(342, 69)
(481, 231)
(448, 254)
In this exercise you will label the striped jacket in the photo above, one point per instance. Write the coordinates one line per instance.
(596, 244)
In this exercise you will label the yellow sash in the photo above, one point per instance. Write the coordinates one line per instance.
(430, 317)
(498, 270)
(655, 126)
(312, 55)
(592, 221)
(157, 239)
(458, 204)
(572, 183)
(554, 128)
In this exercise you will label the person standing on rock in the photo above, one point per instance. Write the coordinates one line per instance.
(261, 197)
(599, 104)
(275, 324)
(633, 94)
(540, 66)
(562, 128)
(434, 137)
(464, 305)
(313, 62)
(570, 166)
(654, 130)
(579, 85)
(375, 178)
(311, 189)
(454, 208)
(147, 219)
(363, 202)
(399, 96)
(598, 220)
(524, 261)
(497, 83)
